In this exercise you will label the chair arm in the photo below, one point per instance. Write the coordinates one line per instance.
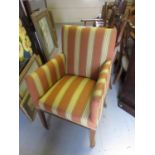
(100, 91)
(44, 77)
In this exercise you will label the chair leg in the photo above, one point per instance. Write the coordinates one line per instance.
(110, 85)
(43, 118)
(118, 63)
(118, 75)
(105, 103)
(92, 138)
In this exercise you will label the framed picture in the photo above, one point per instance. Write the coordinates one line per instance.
(45, 28)
(26, 105)
(25, 102)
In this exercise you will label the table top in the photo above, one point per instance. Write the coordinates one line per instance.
(92, 19)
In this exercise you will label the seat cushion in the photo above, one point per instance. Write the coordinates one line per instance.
(70, 98)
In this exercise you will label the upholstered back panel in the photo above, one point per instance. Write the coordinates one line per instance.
(86, 48)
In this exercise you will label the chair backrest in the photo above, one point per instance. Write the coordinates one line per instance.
(122, 6)
(87, 48)
(111, 17)
(107, 14)
(104, 11)
(121, 31)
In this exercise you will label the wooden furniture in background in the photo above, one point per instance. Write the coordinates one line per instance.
(110, 14)
(121, 58)
(126, 66)
(121, 5)
(127, 93)
(106, 19)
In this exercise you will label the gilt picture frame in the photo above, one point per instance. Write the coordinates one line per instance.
(46, 32)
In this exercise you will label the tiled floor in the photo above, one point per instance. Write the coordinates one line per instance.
(114, 136)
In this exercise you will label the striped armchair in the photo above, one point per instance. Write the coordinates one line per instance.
(73, 84)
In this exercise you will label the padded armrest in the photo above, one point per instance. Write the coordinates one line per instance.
(44, 77)
(100, 91)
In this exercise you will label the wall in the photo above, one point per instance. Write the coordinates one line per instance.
(72, 11)
(35, 4)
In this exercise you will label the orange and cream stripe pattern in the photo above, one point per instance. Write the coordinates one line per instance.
(44, 77)
(86, 48)
(100, 91)
(101, 84)
(70, 98)
(73, 85)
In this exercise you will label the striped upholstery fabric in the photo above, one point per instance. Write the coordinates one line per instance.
(73, 85)
(70, 98)
(86, 48)
(43, 78)
(100, 91)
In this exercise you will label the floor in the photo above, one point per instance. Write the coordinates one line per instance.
(114, 136)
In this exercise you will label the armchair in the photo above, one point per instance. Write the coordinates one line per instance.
(73, 84)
